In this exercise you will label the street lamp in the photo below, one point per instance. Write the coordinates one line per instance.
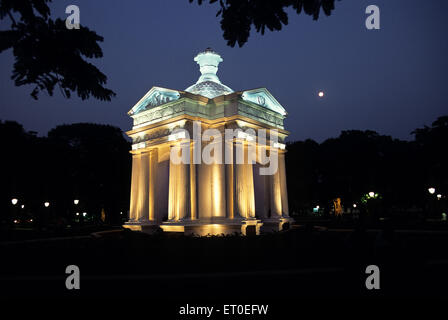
(14, 201)
(354, 205)
(76, 201)
(439, 196)
(22, 206)
(431, 190)
(46, 204)
(371, 194)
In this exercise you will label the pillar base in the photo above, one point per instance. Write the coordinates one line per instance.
(214, 226)
(149, 227)
(276, 224)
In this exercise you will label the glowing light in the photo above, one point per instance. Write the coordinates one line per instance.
(84, 214)
(46, 204)
(137, 146)
(241, 134)
(439, 196)
(22, 206)
(14, 201)
(371, 194)
(281, 146)
(246, 136)
(354, 205)
(76, 201)
(175, 228)
(177, 136)
(77, 213)
(431, 190)
(321, 94)
(16, 221)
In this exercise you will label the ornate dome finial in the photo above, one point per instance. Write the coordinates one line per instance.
(208, 83)
(208, 61)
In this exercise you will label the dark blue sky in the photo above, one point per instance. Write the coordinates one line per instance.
(391, 80)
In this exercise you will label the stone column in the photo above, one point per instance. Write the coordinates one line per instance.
(283, 186)
(264, 207)
(133, 209)
(249, 175)
(229, 171)
(179, 182)
(193, 184)
(244, 183)
(153, 163)
(218, 182)
(143, 187)
(275, 187)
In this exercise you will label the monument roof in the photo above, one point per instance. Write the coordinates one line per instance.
(208, 90)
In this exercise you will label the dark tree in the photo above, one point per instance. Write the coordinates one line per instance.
(93, 163)
(89, 162)
(432, 142)
(238, 16)
(47, 54)
(302, 175)
(358, 162)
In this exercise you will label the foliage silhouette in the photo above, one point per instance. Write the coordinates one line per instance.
(84, 161)
(358, 162)
(47, 54)
(238, 16)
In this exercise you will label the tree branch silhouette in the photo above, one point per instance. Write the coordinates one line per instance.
(238, 16)
(48, 54)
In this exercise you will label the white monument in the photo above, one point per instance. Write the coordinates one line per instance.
(213, 191)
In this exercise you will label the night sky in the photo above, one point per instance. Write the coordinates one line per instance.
(391, 80)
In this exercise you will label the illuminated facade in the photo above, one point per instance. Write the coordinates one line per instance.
(200, 197)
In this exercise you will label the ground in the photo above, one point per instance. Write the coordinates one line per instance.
(301, 263)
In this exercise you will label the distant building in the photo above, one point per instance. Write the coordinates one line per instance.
(198, 196)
